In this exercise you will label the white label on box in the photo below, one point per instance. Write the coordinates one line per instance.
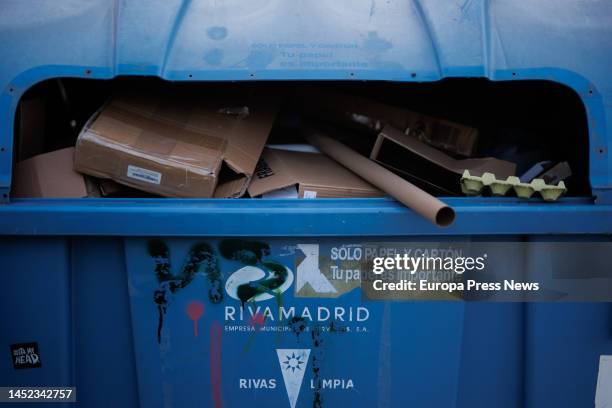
(603, 394)
(310, 194)
(148, 176)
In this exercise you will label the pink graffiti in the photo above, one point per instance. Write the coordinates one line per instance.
(258, 319)
(195, 309)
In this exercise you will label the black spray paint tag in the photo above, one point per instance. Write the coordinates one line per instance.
(25, 355)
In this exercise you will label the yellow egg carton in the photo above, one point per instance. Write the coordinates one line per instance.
(474, 185)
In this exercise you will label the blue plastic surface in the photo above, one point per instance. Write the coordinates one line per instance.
(90, 305)
(328, 217)
(87, 301)
(97, 322)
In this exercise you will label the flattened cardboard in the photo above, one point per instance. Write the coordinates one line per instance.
(397, 150)
(176, 144)
(316, 175)
(50, 175)
(362, 113)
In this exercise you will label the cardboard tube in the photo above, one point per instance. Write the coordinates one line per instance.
(407, 193)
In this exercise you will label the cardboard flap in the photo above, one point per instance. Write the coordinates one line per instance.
(500, 168)
(239, 119)
(270, 174)
(232, 188)
(247, 138)
(282, 168)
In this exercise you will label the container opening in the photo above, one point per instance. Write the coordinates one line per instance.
(527, 123)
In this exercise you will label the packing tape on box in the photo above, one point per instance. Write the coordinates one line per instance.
(474, 185)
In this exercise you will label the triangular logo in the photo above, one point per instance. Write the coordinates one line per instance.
(293, 363)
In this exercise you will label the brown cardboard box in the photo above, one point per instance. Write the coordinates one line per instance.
(316, 176)
(407, 155)
(362, 113)
(176, 144)
(51, 175)
(108, 188)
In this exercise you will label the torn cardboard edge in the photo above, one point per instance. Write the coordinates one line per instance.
(408, 155)
(364, 113)
(176, 147)
(314, 174)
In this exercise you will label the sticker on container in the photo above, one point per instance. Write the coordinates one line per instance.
(148, 176)
(25, 355)
(310, 194)
(603, 393)
(327, 270)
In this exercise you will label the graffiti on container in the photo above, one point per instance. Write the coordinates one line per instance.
(258, 319)
(318, 335)
(200, 256)
(195, 309)
(258, 279)
(317, 358)
(297, 325)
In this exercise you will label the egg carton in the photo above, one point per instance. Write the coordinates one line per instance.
(474, 185)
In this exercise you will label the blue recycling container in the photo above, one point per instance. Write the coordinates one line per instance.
(136, 302)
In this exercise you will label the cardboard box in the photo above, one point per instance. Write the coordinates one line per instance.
(51, 175)
(314, 174)
(177, 144)
(108, 188)
(408, 155)
(362, 113)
